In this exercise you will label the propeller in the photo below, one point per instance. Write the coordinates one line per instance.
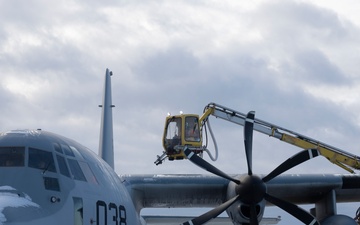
(207, 166)
(212, 213)
(252, 190)
(248, 136)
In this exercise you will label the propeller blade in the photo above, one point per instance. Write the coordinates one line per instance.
(292, 162)
(253, 215)
(207, 166)
(212, 213)
(292, 209)
(248, 136)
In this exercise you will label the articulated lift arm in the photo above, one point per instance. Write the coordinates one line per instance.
(337, 156)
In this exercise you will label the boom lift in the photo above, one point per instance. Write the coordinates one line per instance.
(185, 131)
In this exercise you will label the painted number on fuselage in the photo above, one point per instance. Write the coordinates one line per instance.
(118, 214)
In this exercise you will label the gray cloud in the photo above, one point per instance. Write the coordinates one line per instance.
(270, 57)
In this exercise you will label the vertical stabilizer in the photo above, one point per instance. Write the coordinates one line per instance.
(106, 145)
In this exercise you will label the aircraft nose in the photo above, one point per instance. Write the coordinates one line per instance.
(14, 206)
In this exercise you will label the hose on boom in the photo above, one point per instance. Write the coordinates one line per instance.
(214, 142)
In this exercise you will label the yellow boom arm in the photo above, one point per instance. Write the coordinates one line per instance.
(337, 156)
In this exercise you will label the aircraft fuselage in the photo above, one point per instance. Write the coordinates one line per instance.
(49, 179)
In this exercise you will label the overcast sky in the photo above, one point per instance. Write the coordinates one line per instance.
(296, 63)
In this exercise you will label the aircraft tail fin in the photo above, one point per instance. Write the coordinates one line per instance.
(106, 145)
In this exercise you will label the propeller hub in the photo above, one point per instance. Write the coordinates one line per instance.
(251, 190)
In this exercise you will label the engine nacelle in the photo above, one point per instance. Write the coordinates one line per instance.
(339, 220)
(239, 212)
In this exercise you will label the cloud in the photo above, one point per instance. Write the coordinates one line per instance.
(283, 59)
(293, 62)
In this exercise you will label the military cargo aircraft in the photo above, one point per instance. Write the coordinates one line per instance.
(46, 178)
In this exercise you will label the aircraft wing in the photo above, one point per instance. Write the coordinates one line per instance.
(183, 191)
(175, 191)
